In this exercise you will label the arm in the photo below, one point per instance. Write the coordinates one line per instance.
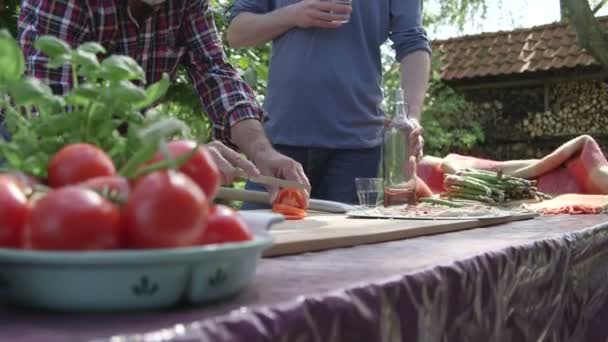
(226, 97)
(255, 23)
(39, 18)
(228, 100)
(415, 71)
(412, 49)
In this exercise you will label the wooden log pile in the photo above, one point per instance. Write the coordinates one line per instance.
(577, 107)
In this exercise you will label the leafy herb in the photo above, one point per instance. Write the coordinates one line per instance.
(105, 97)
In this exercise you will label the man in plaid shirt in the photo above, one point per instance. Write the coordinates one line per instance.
(160, 35)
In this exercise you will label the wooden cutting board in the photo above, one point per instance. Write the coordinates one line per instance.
(320, 231)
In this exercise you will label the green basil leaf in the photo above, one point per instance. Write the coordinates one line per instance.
(52, 105)
(155, 92)
(121, 68)
(52, 46)
(123, 92)
(83, 95)
(58, 62)
(30, 91)
(92, 47)
(89, 65)
(12, 62)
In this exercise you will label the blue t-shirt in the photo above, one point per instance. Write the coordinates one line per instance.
(325, 85)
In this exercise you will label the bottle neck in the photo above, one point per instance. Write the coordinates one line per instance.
(401, 108)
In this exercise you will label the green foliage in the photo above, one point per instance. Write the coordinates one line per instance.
(444, 129)
(92, 112)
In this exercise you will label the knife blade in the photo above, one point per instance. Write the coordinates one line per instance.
(262, 197)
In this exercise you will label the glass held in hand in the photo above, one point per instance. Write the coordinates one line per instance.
(345, 15)
(369, 191)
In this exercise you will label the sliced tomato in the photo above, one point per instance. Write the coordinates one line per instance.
(14, 212)
(76, 163)
(73, 218)
(200, 167)
(293, 198)
(166, 209)
(225, 225)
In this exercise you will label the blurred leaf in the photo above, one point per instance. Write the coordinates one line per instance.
(12, 63)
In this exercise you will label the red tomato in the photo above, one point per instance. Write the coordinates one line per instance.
(14, 212)
(73, 218)
(76, 163)
(166, 209)
(116, 184)
(200, 167)
(225, 225)
(293, 198)
(23, 180)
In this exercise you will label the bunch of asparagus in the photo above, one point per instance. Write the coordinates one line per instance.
(489, 187)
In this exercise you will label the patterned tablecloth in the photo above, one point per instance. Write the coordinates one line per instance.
(537, 280)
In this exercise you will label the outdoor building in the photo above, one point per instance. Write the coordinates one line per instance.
(532, 88)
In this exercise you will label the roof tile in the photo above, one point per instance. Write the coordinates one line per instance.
(546, 47)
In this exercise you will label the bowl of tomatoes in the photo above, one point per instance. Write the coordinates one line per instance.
(89, 238)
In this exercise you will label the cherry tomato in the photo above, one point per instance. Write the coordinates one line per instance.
(73, 218)
(293, 198)
(200, 167)
(225, 225)
(117, 185)
(166, 209)
(14, 212)
(76, 163)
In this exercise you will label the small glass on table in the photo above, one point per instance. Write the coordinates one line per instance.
(369, 191)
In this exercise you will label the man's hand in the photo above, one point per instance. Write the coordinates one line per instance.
(416, 140)
(249, 136)
(228, 160)
(319, 13)
(275, 164)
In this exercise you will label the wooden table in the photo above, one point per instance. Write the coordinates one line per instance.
(514, 281)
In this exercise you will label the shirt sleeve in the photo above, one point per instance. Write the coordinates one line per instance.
(251, 6)
(64, 19)
(407, 33)
(225, 96)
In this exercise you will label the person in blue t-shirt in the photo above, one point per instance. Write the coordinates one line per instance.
(325, 81)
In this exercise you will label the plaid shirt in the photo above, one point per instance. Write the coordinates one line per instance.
(178, 32)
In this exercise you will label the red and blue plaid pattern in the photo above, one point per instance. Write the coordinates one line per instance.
(178, 32)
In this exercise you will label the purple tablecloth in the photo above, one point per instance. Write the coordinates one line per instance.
(537, 280)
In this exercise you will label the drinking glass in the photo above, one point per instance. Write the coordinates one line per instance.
(341, 2)
(369, 191)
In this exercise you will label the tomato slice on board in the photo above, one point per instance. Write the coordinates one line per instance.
(292, 197)
(291, 203)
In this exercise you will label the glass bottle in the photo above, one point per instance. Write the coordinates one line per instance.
(398, 165)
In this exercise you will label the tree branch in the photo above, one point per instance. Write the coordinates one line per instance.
(591, 35)
(599, 6)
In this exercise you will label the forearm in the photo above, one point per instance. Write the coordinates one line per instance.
(251, 29)
(249, 136)
(415, 72)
